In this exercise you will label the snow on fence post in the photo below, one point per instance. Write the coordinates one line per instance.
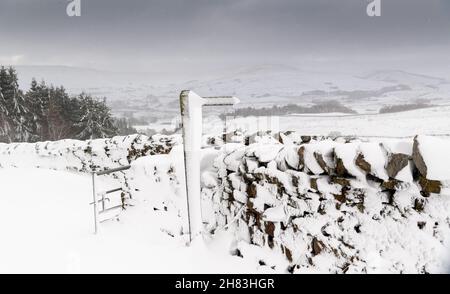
(94, 196)
(191, 118)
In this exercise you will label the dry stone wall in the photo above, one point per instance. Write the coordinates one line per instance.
(336, 205)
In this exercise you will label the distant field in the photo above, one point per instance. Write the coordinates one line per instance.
(431, 121)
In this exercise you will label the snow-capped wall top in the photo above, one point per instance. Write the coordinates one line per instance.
(432, 157)
(84, 156)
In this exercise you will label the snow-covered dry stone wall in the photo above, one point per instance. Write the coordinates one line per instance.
(84, 156)
(88, 156)
(337, 205)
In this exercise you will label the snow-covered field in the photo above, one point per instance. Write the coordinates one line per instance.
(427, 121)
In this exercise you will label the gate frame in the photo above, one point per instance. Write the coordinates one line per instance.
(102, 201)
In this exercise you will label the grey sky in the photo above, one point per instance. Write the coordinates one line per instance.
(149, 35)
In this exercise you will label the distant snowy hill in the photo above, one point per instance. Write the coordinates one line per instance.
(275, 83)
(260, 85)
(402, 77)
(114, 85)
(70, 77)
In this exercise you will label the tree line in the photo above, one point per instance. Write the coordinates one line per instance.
(328, 106)
(45, 112)
(404, 107)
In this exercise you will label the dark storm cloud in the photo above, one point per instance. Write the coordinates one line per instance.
(139, 32)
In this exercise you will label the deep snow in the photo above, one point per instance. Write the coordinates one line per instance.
(47, 227)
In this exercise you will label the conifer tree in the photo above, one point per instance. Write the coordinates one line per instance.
(18, 110)
(96, 121)
(49, 113)
(4, 119)
(35, 97)
(17, 117)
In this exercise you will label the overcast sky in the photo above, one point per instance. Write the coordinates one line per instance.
(148, 35)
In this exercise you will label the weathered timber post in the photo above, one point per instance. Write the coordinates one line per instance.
(191, 118)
